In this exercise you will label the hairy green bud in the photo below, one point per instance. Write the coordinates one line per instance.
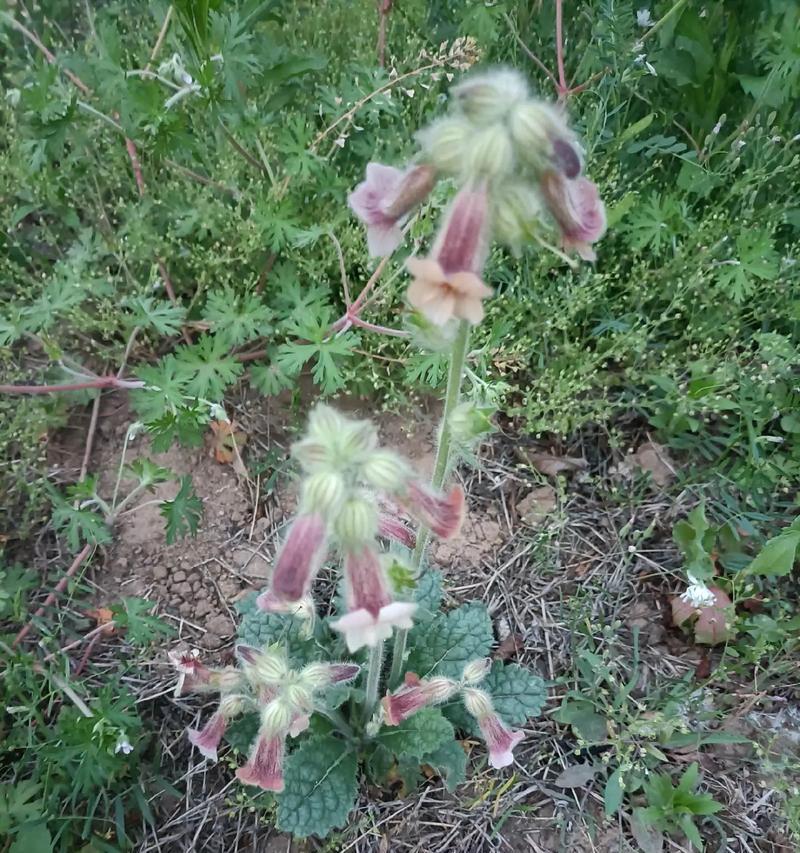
(357, 522)
(445, 142)
(323, 493)
(490, 154)
(385, 471)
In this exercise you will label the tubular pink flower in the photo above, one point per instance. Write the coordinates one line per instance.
(299, 561)
(343, 672)
(578, 211)
(392, 528)
(414, 695)
(207, 739)
(463, 240)
(367, 585)
(441, 513)
(264, 767)
(385, 198)
(440, 296)
(500, 739)
(361, 628)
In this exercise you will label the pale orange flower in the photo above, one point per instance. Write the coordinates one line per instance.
(440, 296)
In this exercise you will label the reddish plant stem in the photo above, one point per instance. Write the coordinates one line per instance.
(60, 587)
(135, 165)
(106, 627)
(85, 656)
(99, 382)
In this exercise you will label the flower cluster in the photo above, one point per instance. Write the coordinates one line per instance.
(519, 168)
(264, 683)
(417, 693)
(346, 474)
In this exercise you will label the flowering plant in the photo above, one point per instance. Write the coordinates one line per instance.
(318, 679)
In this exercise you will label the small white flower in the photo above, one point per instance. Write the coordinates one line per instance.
(135, 429)
(641, 59)
(13, 96)
(123, 745)
(643, 18)
(698, 594)
(217, 413)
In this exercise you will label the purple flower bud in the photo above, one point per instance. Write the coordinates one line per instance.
(264, 767)
(578, 211)
(300, 558)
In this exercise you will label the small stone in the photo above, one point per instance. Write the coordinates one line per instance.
(261, 527)
(228, 587)
(159, 573)
(121, 563)
(197, 586)
(220, 625)
(186, 609)
(183, 589)
(251, 562)
(203, 608)
(211, 640)
(178, 576)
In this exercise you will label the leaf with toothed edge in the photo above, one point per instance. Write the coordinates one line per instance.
(320, 787)
(449, 641)
(517, 693)
(420, 734)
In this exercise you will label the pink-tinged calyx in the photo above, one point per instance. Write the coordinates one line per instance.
(441, 513)
(578, 210)
(500, 739)
(264, 767)
(441, 296)
(301, 557)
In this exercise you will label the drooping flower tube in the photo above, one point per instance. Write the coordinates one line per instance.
(441, 513)
(500, 739)
(371, 614)
(264, 767)
(300, 559)
(208, 738)
(448, 284)
(578, 211)
(385, 198)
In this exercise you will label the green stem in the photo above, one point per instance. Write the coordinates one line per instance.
(373, 680)
(458, 359)
(337, 718)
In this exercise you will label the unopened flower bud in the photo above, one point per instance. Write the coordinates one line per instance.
(298, 696)
(517, 213)
(439, 689)
(534, 127)
(227, 680)
(444, 144)
(489, 98)
(311, 453)
(233, 705)
(323, 493)
(277, 716)
(324, 422)
(357, 522)
(470, 422)
(476, 670)
(265, 666)
(478, 702)
(385, 470)
(490, 154)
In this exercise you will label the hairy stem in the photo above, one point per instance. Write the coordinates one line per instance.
(373, 680)
(458, 359)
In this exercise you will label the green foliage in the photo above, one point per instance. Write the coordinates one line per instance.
(183, 513)
(259, 629)
(450, 641)
(422, 733)
(674, 808)
(320, 787)
(516, 692)
(133, 616)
